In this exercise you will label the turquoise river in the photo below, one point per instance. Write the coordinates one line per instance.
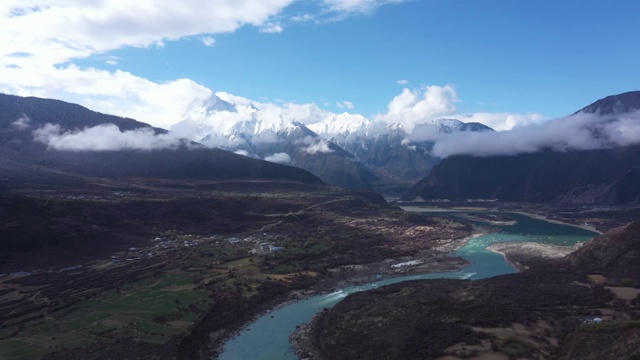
(267, 338)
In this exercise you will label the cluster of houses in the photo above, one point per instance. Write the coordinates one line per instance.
(258, 244)
(160, 244)
(264, 247)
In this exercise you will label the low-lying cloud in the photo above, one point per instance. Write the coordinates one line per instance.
(319, 147)
(22, 123)
(577, 132)
(104, 137)
(279, 158)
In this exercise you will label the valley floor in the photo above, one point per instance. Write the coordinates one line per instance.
(189, 267)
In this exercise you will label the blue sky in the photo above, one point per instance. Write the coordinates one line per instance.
(547, 58)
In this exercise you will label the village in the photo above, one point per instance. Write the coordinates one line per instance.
(167, 245)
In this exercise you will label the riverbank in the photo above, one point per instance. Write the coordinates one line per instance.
(347, 276)
(516, 256)
(553, 221)
(434, 260)
(522, 255)
(300, 339)
(543, 217)
(494, 220)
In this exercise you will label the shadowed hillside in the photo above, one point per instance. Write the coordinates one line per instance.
(615, 254)
(24, 160)
(605, 174)
(542, 313)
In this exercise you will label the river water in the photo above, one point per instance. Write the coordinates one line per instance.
(267, 338)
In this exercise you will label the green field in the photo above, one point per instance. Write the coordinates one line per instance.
(130, 311)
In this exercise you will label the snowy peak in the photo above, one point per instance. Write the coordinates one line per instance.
(348, 127)
(338, 124)
(219, 123)
(450, 126)
(354, 127)
(211, 105)
(447, 126)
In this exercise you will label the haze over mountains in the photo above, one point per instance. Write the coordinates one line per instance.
(66, 140)
(52, 142)
(347, 150)
(590, 157)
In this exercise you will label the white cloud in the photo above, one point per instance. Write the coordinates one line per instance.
(413, 107)
(308, 113)
(504, 121)
(357, 6)
(345, 105)
(55, 32)
(105, 137)
(112, 60)
(40, 38)
(319, 147)
(280, 158)
(303, 18)
(576, 132)
(272, 28)
(113, 92)
(242, 152)
(22, 123)
(403, 82)
(208, 41)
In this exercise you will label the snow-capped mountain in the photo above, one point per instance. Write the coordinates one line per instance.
(450, 126)
(348, 150)
(219, 123)
(348, 127)
(249, 131)
(392, 152)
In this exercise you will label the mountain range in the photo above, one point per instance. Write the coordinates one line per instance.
(592, 157)
(46, 142)
(346, 150)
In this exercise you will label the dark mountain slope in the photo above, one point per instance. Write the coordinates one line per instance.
(598, 176)
(334, 166)
(399, 163)
(422, 319)
(616, 253)
(614, 104)
(261, 135)
(397, 321)
(606, 176)
(24, 160)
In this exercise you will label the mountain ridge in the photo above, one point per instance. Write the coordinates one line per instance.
(24, 158)
(590, 176)
(370, 151)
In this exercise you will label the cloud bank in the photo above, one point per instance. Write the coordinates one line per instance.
(42, 38)
(279, 158)
(577, 132)
(55, 32)
(105, 137)
(413, 107)
(356, 6)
